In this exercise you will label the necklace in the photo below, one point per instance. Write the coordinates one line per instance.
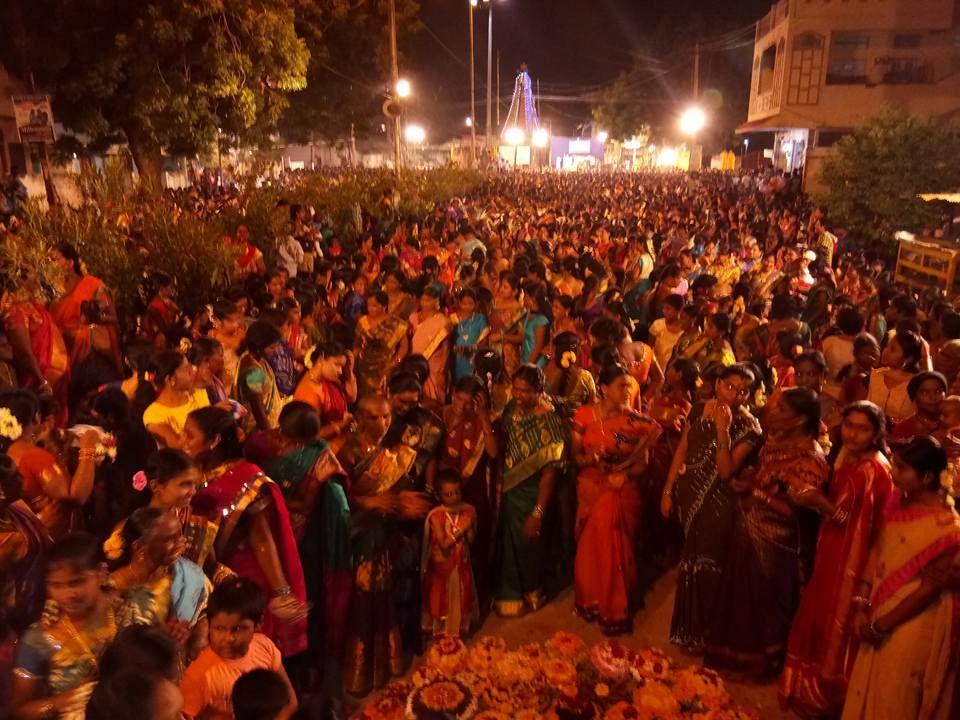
(81, 641)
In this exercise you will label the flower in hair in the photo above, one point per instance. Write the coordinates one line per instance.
(9, 425)
(140, 481)
(568, 359)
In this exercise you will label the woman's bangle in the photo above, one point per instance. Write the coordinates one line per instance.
(87, 454)
(281, 592)
(862, 601)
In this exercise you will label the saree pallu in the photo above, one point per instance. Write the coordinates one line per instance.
(46, 342)
(469, 331)
(431, 340)
(534, 443)
(608, 518)
(531, 323)
(39, 468)
(374, 644)
(323, 537)
(761, 582)
(255, 378)
(66, 311)
(378, 345)
(705, 506)
(912, 675)
(23, 545)
(230, 495)
(505, 321)
(822, 648)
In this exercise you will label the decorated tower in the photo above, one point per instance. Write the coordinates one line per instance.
(523, 109)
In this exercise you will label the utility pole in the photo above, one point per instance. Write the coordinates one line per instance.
(489, 71)
(473, 92)
(498, 88)
(696, 72)
(394, 78)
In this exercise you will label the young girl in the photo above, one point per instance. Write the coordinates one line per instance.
(58, 656)
(449, 599)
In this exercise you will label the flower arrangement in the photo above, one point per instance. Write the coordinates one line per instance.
(106, 448)
(448, 655)
(553, 681)
(9, 425)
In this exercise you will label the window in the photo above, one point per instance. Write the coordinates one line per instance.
(906, 41)
(828, 138)
(908, 71)
(807, 41)
(768, 60)
(847, 72)
(851, 40)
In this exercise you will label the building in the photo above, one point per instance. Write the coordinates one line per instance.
(822, 67)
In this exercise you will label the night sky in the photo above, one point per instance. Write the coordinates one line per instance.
(571, 47)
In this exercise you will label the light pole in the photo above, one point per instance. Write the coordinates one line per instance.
(515, 136)
(473, 89)
(691, 122)
(489, 4)
(394, 81)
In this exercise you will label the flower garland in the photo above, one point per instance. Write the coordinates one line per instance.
(9, 425)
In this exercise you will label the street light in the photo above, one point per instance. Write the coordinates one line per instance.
(540, 137)
(692, 121)
(403, 88)
(514, 136)
(415, 134)
(603, 136)
(468, 122)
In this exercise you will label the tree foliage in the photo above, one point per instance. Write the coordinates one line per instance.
(349, 65)
(876, 173)
(164, 73)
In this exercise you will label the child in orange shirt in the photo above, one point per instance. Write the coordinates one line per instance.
(234, 612)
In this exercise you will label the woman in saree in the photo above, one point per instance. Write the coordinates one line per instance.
(165, 587)
(169, 480)
(256, 381)
(568, 385)
(534, 448)
(80, 288)
(762, 580)
(23, 546)
(611, 446)
(39, 351)
(381, 343)
(254, 537)
(469, 447)
(505, 319)
(315, 488)
(906, 668)
(400, 303)
(380, 499)
(49, 490)
(822, 645)
(719, 438)
(431, 340)
(328, 387)
(471, 330)
(533, 333)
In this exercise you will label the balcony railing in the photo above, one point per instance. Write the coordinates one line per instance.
(777, 14)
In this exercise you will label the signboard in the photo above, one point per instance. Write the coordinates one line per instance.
(34, 118)
(579, 147)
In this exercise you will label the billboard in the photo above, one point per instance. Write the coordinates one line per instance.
(34, 118)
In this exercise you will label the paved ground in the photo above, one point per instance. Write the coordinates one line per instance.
(651, 629)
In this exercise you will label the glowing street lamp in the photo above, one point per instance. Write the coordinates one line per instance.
(603, 136)
(514, 136)
(403, 88)
(468, 122)
(415, 134)
(540, 138)
(692, 121)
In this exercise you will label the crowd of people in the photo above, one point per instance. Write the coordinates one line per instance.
(267, 506)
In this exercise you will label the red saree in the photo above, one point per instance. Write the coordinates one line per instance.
(46, 342)
(228, 495)
(821, 649)
(66, 310)
(608, 516)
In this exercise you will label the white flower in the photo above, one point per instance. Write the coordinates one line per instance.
(9, 425)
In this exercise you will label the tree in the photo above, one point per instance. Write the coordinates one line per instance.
(167, 74)
(349, 62)
(876, 173)
(621, 110)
